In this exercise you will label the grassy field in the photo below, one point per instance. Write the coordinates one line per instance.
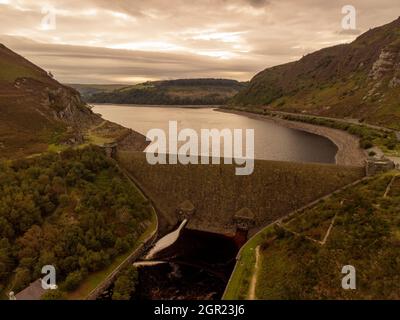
(239, 283)
(9, 74)
(294, 265)
(18, 68)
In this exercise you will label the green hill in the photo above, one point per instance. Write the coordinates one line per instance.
(36, 110)
(38, 113)
(74, 210)
(169, 92)
(302, 258)
(357, 80)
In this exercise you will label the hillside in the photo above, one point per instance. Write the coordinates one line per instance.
(302, 258)
(169, 92)
(74, 210)
(37, 112)
(358, 80)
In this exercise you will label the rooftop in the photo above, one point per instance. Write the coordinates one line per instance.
(245, 213)
(186, 205)
(33, 292)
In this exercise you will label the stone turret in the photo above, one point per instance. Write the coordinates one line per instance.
(185, 210)
(111, 149)
(379, 165)
(244, 219)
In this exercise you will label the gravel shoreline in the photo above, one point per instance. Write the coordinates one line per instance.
(349, 151)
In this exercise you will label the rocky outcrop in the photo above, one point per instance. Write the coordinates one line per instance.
(37, 111)
(57, 102)
(384, 65)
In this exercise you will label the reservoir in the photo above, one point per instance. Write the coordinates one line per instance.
(271, 141)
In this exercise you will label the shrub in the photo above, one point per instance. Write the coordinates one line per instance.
(72, 281)
(391, 145)
(53, 295)
(366, 144)
(22, 279)
(125, 284)
(280, 232)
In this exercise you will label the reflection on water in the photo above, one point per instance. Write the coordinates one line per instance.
(272, 142)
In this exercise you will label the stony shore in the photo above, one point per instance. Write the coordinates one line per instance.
(349, 152)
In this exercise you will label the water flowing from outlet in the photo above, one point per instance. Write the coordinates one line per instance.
(166, 241)
(148, 263)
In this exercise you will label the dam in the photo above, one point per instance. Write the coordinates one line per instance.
(214, 199)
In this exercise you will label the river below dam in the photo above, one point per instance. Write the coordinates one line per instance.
(197, 266)
(271, 141)
(186, 265)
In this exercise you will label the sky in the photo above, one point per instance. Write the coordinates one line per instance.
(132, 41)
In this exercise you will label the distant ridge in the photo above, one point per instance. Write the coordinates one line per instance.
(165, 92)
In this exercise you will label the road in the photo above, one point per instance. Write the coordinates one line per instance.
(253, 283)
(347, 121)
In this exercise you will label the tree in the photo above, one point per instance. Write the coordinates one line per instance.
(6, 262)
(53, 295)
(72, 281)
(22, 279)
(125, 284)
(72, 225)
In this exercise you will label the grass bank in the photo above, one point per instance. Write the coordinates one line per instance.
(297, 264)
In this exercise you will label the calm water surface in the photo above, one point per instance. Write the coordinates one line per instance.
(272, 142)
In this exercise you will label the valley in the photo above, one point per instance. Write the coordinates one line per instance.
(78, 192)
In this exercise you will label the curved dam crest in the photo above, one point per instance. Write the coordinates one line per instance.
(214, 199)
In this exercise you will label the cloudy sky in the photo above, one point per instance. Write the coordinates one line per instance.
(130, 41)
